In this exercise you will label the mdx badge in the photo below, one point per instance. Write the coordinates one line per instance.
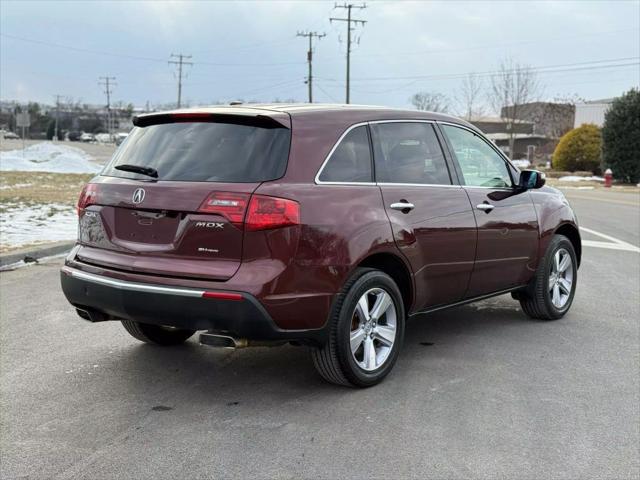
(138, 195)
(210, 224)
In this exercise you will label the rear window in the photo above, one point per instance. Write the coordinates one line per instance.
(204, 152)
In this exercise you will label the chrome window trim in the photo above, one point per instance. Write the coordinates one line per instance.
(350, 184)
(440, 185)
(133, 286)
(413, 120)
(361, 124)
(509, 189)
(493, 146)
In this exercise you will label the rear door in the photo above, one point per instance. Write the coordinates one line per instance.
(506, 218)
(173, 198)
(431, 217)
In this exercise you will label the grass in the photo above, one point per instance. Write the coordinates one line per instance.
(36, 188)
(56, 191)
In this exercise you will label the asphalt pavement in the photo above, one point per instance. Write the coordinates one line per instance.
(479, 391)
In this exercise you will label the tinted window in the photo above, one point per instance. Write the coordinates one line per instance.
(351, 160)
(409, 153)
(205, 152)
(481, 165)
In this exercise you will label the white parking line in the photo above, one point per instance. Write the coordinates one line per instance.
(612, 244)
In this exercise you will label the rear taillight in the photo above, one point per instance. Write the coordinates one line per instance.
(271, 212)
(230, 205)
(262, 212)
(88, 196)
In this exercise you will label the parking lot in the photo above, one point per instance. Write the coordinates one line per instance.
(479, 391)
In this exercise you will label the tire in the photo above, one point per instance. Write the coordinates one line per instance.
(335, 361)
(537, 300)
(156, 334)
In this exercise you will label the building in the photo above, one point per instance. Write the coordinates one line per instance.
(527, 144)
(592, 112)
(534, 127)
(549, 118)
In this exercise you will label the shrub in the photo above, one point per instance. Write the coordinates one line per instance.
(621, 137)
(579, 149)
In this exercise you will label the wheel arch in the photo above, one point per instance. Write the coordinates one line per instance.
(393, 266)
(573, 234)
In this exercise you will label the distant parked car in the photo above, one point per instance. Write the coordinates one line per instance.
(87, 137)
(10, 136)
(74, 136)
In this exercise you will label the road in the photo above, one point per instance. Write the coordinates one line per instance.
(479, 391)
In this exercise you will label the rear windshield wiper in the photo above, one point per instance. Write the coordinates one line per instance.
(148, 171)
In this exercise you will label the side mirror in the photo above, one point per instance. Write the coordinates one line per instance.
(531, 179)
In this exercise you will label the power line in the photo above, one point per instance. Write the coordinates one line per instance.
(540, 69)
(266, 88)
(180, 62)
(310, 35)
(331, 97)
(137, 57)
(349, 20)
(108, 82)
(498, 45)
(83, 50)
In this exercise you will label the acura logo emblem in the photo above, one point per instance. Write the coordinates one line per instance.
(138, 195)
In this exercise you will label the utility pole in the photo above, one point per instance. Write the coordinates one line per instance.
(180, 62)
(108, 83)
(349, 20)
(310, 57)
(55, 135)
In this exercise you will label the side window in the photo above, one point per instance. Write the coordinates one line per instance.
(481, 165)
(409, 153)
(351, 160)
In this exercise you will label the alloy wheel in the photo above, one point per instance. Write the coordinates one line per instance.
(560, 278)
(373, 329)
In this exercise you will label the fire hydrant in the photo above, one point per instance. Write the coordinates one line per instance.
(608, 178)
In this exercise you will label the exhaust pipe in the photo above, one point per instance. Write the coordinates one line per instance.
(91, 315)
(225, 341)
(222, 341)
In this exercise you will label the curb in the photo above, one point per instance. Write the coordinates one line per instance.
(35, 253)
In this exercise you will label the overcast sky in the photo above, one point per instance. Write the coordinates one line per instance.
(249, 50)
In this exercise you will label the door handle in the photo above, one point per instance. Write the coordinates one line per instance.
(485, 207)
(402, 206)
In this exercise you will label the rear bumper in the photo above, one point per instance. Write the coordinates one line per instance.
(237, 314)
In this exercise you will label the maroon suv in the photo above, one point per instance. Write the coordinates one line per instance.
(319, 225)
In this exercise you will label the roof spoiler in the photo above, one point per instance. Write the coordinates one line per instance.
(251, 120)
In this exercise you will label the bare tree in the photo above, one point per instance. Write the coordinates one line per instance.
(433, 102)
(513, 86)
(468, 97)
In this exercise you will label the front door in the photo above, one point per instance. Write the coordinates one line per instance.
(506, 218)
(431, 218)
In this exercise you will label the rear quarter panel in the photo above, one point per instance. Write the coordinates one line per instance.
(340, 226)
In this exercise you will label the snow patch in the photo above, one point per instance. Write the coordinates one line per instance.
(24, 224)
(48, 157)
(576, 178)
